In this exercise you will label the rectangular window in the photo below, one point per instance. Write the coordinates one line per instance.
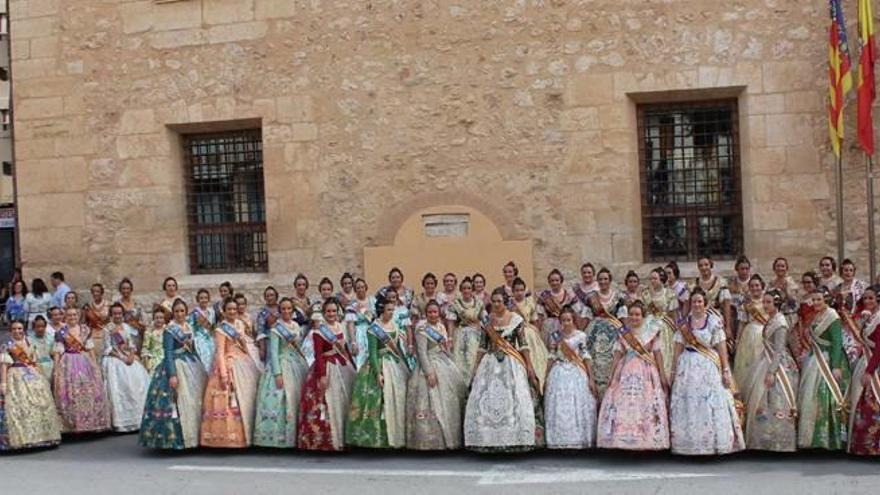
(689, 167)
(226, 209)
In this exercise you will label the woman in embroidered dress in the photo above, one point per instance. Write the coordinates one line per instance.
(771, 389)
(302, 306)
(661, 307)
(634, 414)
(478, 281)
(571, 396)
(450, 292)
(201, 320)
(789, 288)
(436, 389)
(509, 272)
(739, 291)
(26, 401)
(71, 301)
(718, 297)
(230, 399)
(632, 288)
(346, 294)
(702, 414)
(96, 316)
(134, 312)
(124, 375)
(282, 383)
(850, 290)
(249, 331)
(78, 387)
(38, 301)
(420, 302)
(173, 412)
(266, 319)
(550, 304)
(750, 337)
(503, 412)
(225, 291)
(824, 378)
(326, 394)
(153, 348)
(799, 340)
(377, 416)
(606, 305)
(828, 276)
(358, 317)
(169, 286)
(581, 291)
(464, 318)
(525, 306)
(864, 399)
(681, 290)
(43, 341)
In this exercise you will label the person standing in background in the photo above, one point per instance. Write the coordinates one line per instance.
(38, 301)
(61, 289)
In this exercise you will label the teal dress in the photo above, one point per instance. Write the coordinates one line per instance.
(203, 336)
(172, 417)
(278, 409)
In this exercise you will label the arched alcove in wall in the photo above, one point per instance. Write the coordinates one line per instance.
(448, 238)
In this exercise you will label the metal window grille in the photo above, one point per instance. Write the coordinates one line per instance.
(689, 165)
(226, 209)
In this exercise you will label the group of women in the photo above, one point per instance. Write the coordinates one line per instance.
(712, 367)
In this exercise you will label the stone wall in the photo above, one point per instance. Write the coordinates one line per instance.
(527, 104)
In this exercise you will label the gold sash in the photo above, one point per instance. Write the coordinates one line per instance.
(825, 369)
(787, 390)
(572, 356)
(504, 346)
(637, 346)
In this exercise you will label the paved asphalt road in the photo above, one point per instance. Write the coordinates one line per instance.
(115, 465)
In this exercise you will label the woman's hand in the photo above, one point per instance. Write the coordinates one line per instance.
(224, 382)
(382, 380)
(836, 373)
(279, 382)
(354, 348)
(725, 379)
(323, 382)
(432, 379)
(594, 389)
(866, 380)
(173, 382)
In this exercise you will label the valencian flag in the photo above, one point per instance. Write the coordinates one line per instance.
(865, 87)
(840, 76)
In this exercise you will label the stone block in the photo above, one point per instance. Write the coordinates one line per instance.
(34, 68)
(769, 216)
(19, 49)
(579, 119)
(177, 15)
(780, 77)
(589, 90)
(801, 187)
(141, 121)
(766, 104)
(756, 130)
(788, 129)
(300, 157)
(176, 39)
(75, 145)
(802, 160)
(298, 108)
(275, 9)
(39, 108)
(805, 101)
(617, 116)
(304, 132)
(265, 109)
(39, 8)
(141, 145)
(44, 48)
(626, 248)
(28, 149)
(246, 31)
(767, 161)
(74, 105)
(52, 175)
(137, 17)
(44, 86)
(51, 210)
(227, 11)
(37, 27)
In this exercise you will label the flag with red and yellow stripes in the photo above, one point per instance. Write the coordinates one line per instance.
(839, 74)
(865, 87)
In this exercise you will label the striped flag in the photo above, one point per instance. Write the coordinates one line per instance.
(865, 87)
(839, 74)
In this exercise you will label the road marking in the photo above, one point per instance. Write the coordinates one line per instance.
(499, 475)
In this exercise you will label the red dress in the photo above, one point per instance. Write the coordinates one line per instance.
(322, 410)
(865, 435)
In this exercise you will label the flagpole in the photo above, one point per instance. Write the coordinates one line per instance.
(840, 233)
(872, 240)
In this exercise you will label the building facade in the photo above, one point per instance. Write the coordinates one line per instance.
(253, 139)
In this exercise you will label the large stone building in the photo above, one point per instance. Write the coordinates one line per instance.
(253, 139)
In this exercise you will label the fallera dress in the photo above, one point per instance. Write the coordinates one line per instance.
(126, 383)
(173, 417)
(569, 405)
(278, 408)
(78, 387)
(28, 418)
(468, 316)
(434, 415)
(377, 417)
(864, 436)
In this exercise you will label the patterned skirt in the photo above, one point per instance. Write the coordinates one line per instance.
(172, 417)
(80, 395)
(228, 413)
(434, 415)
(30, 416)
(323, 412)
(278, 409)
(377, 417)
